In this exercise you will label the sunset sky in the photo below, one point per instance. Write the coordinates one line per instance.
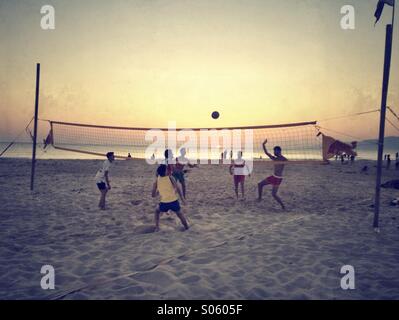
(146, 62)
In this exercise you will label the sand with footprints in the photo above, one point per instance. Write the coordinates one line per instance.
(233, 250)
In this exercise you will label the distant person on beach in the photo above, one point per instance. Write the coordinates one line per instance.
(129, 156)
(102, 179)
(342, 159)
(388, 161)
(168, 189)
(225, 154)
(239, 170)
(276, 179)
(178, 170)
(352, 157)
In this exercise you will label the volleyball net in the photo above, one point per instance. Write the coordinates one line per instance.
(298, 141)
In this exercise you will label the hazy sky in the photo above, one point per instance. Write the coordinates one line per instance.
(147, 62)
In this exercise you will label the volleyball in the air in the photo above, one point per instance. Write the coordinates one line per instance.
(215, 114)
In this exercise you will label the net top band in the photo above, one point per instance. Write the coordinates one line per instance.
(297, 124)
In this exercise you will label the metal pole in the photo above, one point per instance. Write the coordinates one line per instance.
(32, 178)
(385, 84)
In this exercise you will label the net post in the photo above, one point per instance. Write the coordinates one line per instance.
(32, 178)
(385, 84)
(52, 133)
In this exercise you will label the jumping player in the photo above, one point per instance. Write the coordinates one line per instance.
(239, 169)
(168, 190)
(102, 179)
(276, 179)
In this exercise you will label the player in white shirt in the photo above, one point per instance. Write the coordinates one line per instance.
(239, 169)
(102, 179)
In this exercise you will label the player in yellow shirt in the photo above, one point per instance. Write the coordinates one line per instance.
(167, 188)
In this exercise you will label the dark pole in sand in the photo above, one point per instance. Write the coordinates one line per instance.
(385, 84)
(32, 178)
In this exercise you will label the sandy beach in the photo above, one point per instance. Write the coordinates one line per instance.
(233, 250)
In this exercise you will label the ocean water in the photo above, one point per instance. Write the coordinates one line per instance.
(24, 150)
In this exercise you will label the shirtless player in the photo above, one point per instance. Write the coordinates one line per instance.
(178, 169)
(277, 177)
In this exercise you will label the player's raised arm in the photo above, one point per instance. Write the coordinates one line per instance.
(267, 152)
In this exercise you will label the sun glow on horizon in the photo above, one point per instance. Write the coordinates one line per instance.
(144, 63)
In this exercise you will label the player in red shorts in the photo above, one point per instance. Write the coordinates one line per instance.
(277, 177)
(239, 169)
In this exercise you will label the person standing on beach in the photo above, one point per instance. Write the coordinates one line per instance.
(239, 170)
(388, 161)
(178, 169)
(276, 179)
(102, 179)
(168, 189)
